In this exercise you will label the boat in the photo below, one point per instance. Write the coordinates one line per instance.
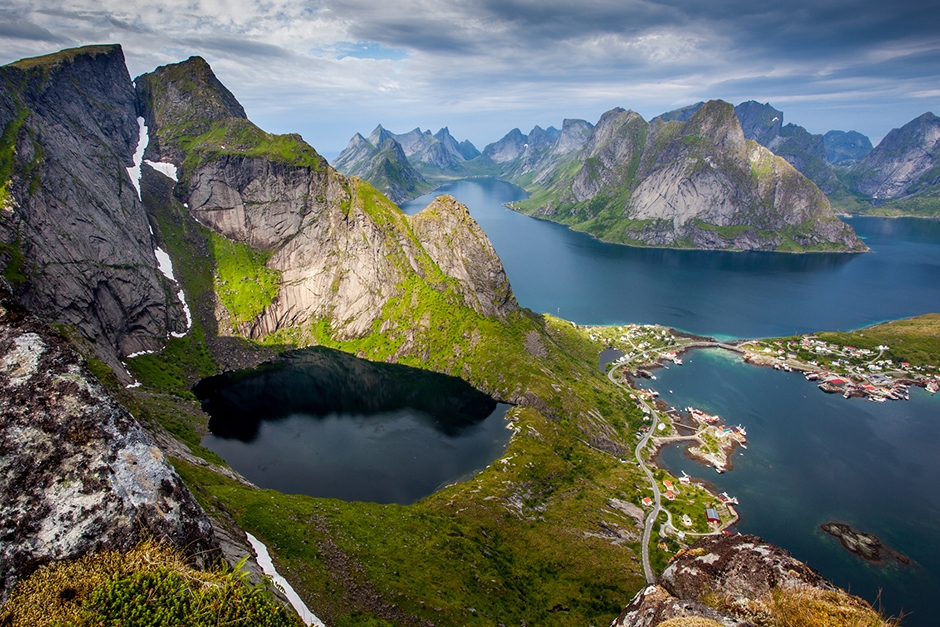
(812, 376)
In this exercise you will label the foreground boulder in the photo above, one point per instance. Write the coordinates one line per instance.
(740, 580)
(78, 474)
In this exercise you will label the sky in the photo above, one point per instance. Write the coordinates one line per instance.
(330, 68)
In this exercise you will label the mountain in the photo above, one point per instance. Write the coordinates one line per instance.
(682, 114)
(846, 148)
(259, 246)
(803, 150)
(385, 167)
(697, 184)
(436, 153)
(906, 162)
(93, 270)
(337, 250)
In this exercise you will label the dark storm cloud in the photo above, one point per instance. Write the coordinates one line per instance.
(15, 27)
(236, 46)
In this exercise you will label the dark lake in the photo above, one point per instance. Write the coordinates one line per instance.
(327, 424)
(812, 457)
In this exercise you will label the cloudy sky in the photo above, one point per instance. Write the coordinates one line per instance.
(330, 68)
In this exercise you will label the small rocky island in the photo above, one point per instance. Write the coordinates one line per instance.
(867, 546)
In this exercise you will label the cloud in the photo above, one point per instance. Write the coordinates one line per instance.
(15, 27)
(329, 68)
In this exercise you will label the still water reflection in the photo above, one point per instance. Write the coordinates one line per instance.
(324, 423)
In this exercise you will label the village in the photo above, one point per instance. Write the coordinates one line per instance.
(635, 351)
(847, 370)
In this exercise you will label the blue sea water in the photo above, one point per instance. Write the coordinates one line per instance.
(555, 270)
(812, 457)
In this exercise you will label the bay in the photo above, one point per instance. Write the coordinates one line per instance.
(812, 457)
(555, 270)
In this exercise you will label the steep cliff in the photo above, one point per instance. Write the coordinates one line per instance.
(78, 474)
(341, 250)
(905, 162)
(696, 184)
(803, 150)
(74, 238)
(385, 167)
(734, 581)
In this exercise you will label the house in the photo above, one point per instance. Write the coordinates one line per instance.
(668, 484)
(671, 495)
(712, 516)
(647, 501)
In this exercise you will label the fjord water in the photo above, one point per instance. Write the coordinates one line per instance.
(814, 458)
(327, 424)
(555, 270)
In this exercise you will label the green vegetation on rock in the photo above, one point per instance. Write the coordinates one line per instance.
(235, 137)
(245, 286)
(152, 585)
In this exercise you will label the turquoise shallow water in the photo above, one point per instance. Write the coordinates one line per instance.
(814, 457)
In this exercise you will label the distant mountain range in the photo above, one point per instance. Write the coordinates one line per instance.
(899, 177)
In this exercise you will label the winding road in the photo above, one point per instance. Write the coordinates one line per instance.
(657, 506)
(638, 453)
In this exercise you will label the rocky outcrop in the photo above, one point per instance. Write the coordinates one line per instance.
(385, 167)
(803, 150)
(698, 184)
(846, 147)
(905, 162)
(738, 581)
(460, 248)
(509, 148)
(74, 238)
(78, 474)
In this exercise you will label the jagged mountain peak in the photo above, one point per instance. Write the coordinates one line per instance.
(760, 122)
(846, 147)
(803, 150)
(906, 161)
(696, 184)
(682, 114)
(180, 101)
(717, 122)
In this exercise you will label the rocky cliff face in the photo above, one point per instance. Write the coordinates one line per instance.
(803, 150)
(78, 474)
(460, 248)
(738, 581)
(906, 162)
(74, 239)
(385, 167)
(846, 147)
(695, 184)
(343, 251)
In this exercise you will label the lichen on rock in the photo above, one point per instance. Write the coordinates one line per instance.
(78, 474)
